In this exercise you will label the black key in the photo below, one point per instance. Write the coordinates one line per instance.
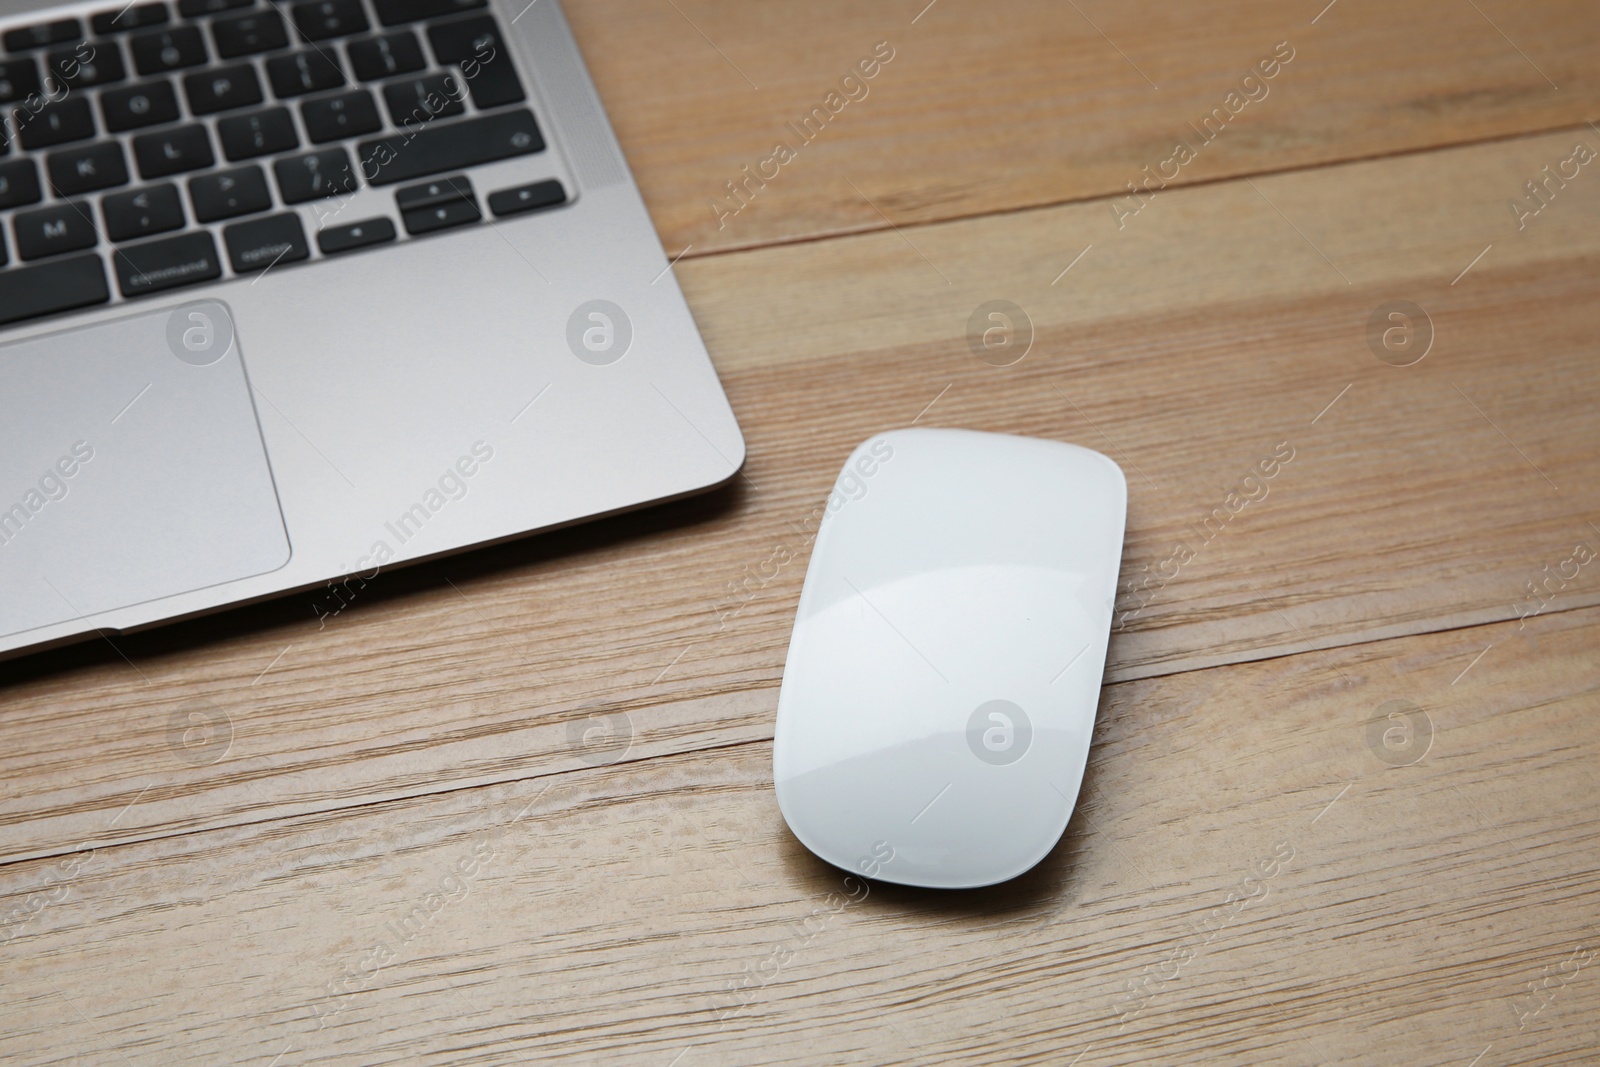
(159, 51)
(99, 63)
(44, 231)
(417, 100)
(149, 104)
(441, 216)
(493, 82)
(222, 89)
(259, 133)
(69, 119)
(315, 175)
(346, 115)
(19, 183)
(142, 212)
(245, 35)
(229, 193)
(195, 8)
(438, 191)
(356, 235)
(29, 292)
(318, 20)
(394, 12)
(464, 39)
(83, 170)
(18, 78)
(474, 45)
(304, 72)
(129, 18)
(172, 151)
(527, 198)
(154, 266)
(384, 57)
(4, 256)
(261, 243)
(43, 35)
(450, 146)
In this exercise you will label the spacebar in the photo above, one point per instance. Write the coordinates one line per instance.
(450, 146)
(60, 285)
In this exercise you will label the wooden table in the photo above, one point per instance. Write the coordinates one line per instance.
(517, 805)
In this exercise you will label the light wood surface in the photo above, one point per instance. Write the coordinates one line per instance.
(1224, 322)
(625, 914)
(991, 107)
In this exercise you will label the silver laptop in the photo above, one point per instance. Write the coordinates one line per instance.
(298, 292)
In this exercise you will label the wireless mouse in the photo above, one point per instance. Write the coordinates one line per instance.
(940, 690)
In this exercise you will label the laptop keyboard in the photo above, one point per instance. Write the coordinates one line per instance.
(172, 143)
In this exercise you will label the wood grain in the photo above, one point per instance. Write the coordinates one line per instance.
(1398, 900)
(540, 775)
(986, 108)
(1189, 351)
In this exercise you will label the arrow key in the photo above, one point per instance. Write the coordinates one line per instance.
(356, 235)
(441, 216)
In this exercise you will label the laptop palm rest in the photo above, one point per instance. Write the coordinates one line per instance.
(131, 467)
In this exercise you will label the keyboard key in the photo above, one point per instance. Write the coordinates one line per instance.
(129, 18)
(262, 243)
(437, 205)
(142, 212)
(464, 39)
(172, 151)
(19, 183)
(69, 119)
(99, 63)
(246, 35)
(155, 266)
(43, 35)
(417, 100)
(222, 89)
(190, 9)
(159, 51)
(450, 146)
(356, 235)
(315, 175)
(83, 170)
(335, 117)
(304, 72)
(149, 104)
(527, 198)
(438, 191)
(493, 82)
(18, 78)
(394, 12)
(29, 292)
(474, 45)
(45, 231)
(318, 20)
(229, 193)
(259, 133)
(383, 57)
(441, 216)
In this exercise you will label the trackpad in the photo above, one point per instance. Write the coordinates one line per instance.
(131, 467)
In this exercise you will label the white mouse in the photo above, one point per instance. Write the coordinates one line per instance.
(940, 691)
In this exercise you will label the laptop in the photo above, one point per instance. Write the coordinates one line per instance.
(294, 293)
